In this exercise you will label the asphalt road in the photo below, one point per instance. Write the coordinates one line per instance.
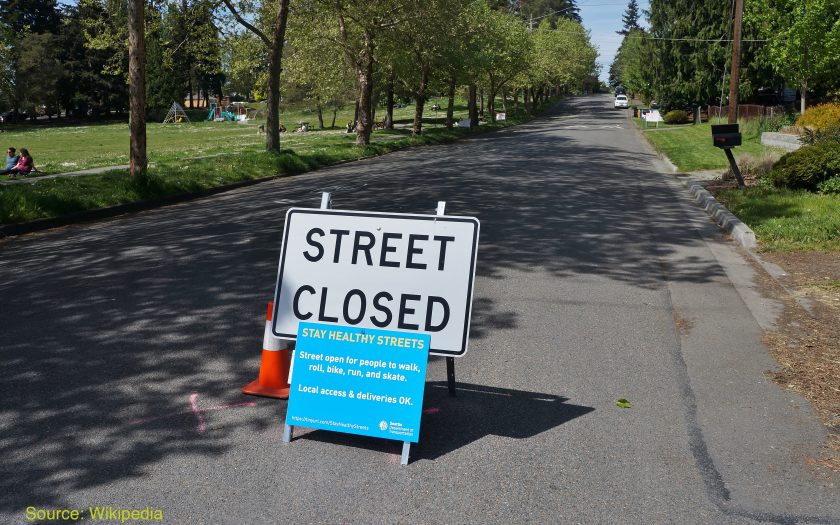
(125, 344)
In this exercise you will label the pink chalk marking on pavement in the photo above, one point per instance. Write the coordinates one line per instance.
(433, 410)
(194, 403)
(194, 409)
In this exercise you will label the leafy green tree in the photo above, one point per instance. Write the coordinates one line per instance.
(245, 61)
(804, 40)
(38, 71)
(273, 41)
(194, 45)
(629, 65)
(165, 82)
(361, 26)
(6, 69)
(417, 52)
(315, 61)
(504, 48)
(84, 84)
(19, 24)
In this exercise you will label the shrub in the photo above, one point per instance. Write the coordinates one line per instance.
(752, 167)
(830, 186)
(676, 116)
(805, 168)
(816, 136)
(822, 116)
(777, 121)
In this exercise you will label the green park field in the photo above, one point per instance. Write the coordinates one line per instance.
(66, 148)
(191, 157)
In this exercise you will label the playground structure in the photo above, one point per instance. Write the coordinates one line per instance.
(176, 114)
(230, 111)
(220, 114)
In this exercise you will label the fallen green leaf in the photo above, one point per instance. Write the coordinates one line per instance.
(622, 403)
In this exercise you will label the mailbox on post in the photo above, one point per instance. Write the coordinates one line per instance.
(726, 135)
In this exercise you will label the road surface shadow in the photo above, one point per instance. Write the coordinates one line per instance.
(476, 411)
(119, 321)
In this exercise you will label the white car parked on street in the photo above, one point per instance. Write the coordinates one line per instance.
(621, 101)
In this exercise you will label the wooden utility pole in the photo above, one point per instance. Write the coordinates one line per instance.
(137, 86)
(734, 77)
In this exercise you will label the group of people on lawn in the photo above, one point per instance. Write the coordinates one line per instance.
(18, 163)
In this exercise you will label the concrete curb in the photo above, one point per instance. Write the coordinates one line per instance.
(722, 216)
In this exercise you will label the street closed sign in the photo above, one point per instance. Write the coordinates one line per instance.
(378, 270)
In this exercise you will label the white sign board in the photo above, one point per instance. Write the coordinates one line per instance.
(653, 116)
(378, 270)
(501, 116)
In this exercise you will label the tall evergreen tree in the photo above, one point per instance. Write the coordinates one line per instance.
(630, 20)
(35, 16)
(688, 53)
(534, 11)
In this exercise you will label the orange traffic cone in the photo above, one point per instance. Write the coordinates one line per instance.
(274, 365)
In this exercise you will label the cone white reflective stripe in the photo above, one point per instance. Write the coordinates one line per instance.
(270, 342)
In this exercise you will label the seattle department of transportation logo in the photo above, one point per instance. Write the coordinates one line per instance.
(383, 425)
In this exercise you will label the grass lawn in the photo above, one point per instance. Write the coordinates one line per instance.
(189, 158)
(786, 220)
(60, 148)
(690, 147)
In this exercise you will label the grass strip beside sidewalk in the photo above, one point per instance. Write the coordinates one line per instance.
(690, 147)
(786, 220)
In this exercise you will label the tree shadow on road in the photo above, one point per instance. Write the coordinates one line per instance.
(121, 321)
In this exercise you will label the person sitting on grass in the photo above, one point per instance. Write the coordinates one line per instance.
(11, 161)
(25, 164)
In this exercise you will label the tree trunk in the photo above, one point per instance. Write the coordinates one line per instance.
(420, 102)
(804, 91)
(320, 115)
(450, 107)
(335, 114)
(504, 96)
(278, 34)
(137, 86)
(491, 104)
(364, 72)
(516, 101)
(471, 104)
(389, 111)
(481, 102)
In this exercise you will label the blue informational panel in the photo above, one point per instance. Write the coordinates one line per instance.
(359, 380)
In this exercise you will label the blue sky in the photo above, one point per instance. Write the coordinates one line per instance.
(603, 19)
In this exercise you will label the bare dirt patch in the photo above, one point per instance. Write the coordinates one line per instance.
(807, 340)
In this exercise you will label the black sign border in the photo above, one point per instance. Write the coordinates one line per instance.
(411, 216)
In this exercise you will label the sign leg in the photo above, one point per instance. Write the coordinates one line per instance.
(450, 374)
(287, 433)
(405, 451)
